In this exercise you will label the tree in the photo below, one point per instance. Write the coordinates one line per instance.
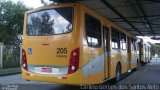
(40, 25)
(47, 23)
(155, 49)
(11, 20)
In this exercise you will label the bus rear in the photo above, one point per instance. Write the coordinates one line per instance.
(50, 45)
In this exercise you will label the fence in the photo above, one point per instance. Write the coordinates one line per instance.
(10, 56)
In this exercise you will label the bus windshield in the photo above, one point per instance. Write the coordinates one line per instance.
(50, 22)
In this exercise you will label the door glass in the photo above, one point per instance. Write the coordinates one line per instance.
(105, 30)
(106, 62)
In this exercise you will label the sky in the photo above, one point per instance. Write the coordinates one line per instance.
(30, 3)
(147, 39)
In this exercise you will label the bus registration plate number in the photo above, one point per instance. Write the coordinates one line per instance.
(47, 70)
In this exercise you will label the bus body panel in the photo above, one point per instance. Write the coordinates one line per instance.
(92, 58)
(133, 60)
(47, 50)
(118, 56)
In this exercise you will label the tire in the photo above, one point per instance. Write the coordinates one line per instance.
(118, 73)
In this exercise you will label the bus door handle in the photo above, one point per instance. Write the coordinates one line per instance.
(45, 44)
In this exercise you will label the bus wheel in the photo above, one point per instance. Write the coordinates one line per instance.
(118, 73)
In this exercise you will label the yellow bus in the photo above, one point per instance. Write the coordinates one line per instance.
(144, 52)
(71, 44)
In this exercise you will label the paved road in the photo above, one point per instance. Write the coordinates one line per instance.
(148, 74)
(16, 82)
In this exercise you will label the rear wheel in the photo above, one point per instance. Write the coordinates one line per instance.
(118, 73)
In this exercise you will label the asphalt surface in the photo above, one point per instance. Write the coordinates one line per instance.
(148, 74)
(15, 82)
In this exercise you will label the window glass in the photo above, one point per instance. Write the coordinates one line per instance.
(49, 22)
(133, 44)
(115, 38)
(93, 31)
(122, 41)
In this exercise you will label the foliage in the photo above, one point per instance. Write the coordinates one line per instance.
(11, 56)
(11, 20)
(155, 49)
(41, 25)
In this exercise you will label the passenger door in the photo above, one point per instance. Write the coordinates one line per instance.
(106, 51)
(129, 52)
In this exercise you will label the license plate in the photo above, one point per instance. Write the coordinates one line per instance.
(47, 70)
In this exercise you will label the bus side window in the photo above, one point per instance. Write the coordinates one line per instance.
(133, 44)
(115, 39)
(122, 41)
(93, 31)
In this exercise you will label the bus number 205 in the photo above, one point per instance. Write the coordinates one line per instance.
(61, 50)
